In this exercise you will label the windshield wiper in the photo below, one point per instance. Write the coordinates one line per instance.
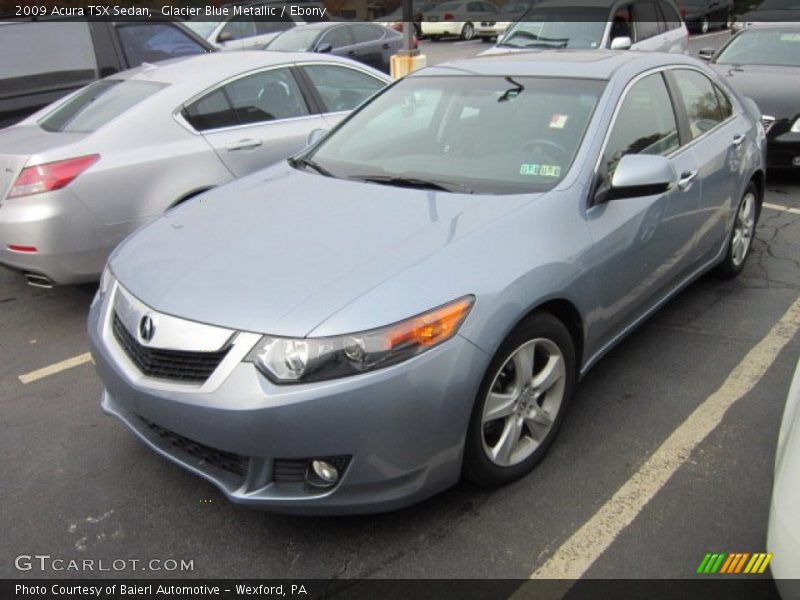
(414, 182)
(308, 163)
(540, 42)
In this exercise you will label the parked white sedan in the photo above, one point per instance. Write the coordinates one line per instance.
(458, 18)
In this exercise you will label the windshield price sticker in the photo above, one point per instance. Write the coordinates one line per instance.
(540, 170)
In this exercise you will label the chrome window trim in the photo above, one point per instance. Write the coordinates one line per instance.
(181, 120)
(624, 95)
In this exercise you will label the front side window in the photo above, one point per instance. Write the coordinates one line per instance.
(342, 88)
(700, 100)
(338, 37)
(238, 28)
(647, 20)
(152, 42)
(212, 111)
(97, 104)
(645, 123)
(494, 135)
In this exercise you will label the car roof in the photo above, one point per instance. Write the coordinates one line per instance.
(580, 64)
(203, 70)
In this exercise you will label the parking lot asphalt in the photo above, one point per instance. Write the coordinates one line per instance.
(77, 485)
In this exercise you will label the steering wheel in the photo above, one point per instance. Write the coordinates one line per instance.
(540, 142)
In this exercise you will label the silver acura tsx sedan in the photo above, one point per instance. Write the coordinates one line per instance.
(414, 297)
(83, 173)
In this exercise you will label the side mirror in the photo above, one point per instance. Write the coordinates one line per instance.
(325, 48)
(225, 36)
(621, 43)
(315, 136)
(706, 54)
(641, 175)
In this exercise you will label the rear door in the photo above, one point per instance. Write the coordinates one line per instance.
(371, 45)
(643, 245)
(255, 120)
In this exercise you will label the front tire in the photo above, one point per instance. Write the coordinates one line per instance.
(467, 32)
(741, 237)
(521, 402)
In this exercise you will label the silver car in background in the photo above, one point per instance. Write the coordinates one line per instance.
(414, 297)
(83, 173)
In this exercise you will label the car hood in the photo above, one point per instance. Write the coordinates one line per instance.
(774, 89)
(280, 251)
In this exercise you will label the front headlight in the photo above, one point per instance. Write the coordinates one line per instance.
(796, 126)
(288, 360)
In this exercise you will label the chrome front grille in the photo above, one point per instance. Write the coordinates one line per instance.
(174, 365)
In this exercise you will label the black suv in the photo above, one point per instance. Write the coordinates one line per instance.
(44, 60)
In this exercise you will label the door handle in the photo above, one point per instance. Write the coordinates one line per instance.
(685, 182)
(386, 46)
(351, 53)
(738, 139)
(247, 144)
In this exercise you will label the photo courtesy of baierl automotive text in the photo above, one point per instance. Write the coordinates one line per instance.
(470, 299)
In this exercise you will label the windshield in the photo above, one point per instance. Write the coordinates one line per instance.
(298, 39)
(558, 28)
(97, 104)
(763, 47)
(493, 135)
(202, 28)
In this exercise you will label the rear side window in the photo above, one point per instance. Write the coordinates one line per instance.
(338, 37)
(212, 111)
(700, 99)
(97, 104)
(63, 57)
(645, 123)
(342, 88)
(367, 32)
(152, 42)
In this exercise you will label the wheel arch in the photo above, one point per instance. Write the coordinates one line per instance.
(189, 195)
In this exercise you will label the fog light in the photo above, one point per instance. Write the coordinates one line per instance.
(326, 474)
(796, 161)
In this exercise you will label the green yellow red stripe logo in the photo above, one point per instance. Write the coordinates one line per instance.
(734, 563)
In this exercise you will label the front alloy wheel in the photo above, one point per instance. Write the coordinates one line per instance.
(741, 238)
(467, 31)
(521, 402)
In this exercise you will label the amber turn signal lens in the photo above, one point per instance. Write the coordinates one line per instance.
(431, 328)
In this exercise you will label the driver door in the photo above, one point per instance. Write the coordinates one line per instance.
(643, 246)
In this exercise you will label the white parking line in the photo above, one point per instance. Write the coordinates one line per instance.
(69, 363)
(782, 208)
(584, 547)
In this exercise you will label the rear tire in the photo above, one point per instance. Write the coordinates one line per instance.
(740, 240)
(468, 32)
(521, 401)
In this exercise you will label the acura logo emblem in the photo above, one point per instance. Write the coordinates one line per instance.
(146, 328)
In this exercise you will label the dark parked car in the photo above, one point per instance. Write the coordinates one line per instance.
(703, 15)
(763, 64)
(369, 43)
(769, 11)
(44, 60)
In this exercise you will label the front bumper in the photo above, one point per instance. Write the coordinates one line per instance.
(71, 244)
(402, 427)
(493, 30)
(783, 151)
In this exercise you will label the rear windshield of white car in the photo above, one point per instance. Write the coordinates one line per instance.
(567, 27)
(481, 134)
(97, 104)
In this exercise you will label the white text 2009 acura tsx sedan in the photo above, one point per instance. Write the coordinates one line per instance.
(414, 297)
(85, 172)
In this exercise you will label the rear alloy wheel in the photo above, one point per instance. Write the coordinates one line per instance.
(741, 238)
(521, 402)
(467, 31)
